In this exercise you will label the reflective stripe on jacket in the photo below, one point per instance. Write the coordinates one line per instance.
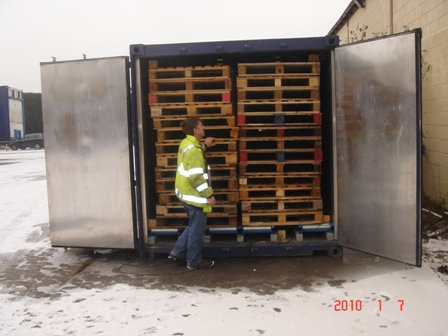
(192, 180)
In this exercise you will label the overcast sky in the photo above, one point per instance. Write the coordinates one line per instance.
(34, 31)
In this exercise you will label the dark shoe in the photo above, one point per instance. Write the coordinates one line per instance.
(202, 265)
(180, 261)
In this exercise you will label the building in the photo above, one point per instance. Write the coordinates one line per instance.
(366, 19)
(12, 118)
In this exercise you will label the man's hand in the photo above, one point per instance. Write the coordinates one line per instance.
(212, 201)
(209, 142)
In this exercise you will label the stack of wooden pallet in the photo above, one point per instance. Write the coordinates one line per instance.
(175, 94)
(280, 143)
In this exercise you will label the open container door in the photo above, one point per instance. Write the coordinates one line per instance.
(89, 152)
(377, 134)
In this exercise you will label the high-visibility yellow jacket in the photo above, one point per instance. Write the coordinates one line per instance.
(192, 179)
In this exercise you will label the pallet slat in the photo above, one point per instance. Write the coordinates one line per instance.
(279, 180)
(284, 155)
(180, 222)
(278, 94)
(207, 120)
(190, 97)
(223, 71)
(278, 68)
(172, 210)
(227, 183)
(304, 166)
(162, 110)
(276, 118)
(305, 191)
(282, 218)
(279, 131)
(217, 171)
(284, 105)
(172, 146)
(285, 81)
(221, 196)
(173, 133)
(287, 143)
(253, 206)
(170, 159)
(189, 84)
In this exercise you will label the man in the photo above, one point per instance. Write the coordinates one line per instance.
(194, 189)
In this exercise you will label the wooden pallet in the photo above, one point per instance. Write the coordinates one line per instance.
(227, 183)
(189, 84)
(307, 166)
(228, 158)
(224, 183)
(278, 81)
(167, 147)
(222, 171)
(278, 131)
(216, 171)
(272, 179)
(221, 196)
(279, 94)
(278, 218)
(215, 72)
(162, 173)
(173, 210)
(190, 97)
(286, 143)
(199, 109)
(220, 184)
(221, 145)
(272, 105)
(284, 155)
(279, 118)
(166, 160)
(290, 68)
(179, 222)
(173, 133)
(207, 120)
(304, 191)
(254, 206)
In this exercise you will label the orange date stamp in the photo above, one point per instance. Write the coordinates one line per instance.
(357, 305)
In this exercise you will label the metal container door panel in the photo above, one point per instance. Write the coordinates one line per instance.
(377, 136)
(87, 144)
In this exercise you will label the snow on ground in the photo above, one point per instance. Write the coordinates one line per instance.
(397, 301)
(23, 189)
(123, 310)
(435, 254)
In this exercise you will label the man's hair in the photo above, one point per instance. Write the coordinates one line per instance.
(189, 124)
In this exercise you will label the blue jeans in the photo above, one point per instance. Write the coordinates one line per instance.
(189, 244)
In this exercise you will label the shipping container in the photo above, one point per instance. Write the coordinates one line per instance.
(12, 114)
(318, 146)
